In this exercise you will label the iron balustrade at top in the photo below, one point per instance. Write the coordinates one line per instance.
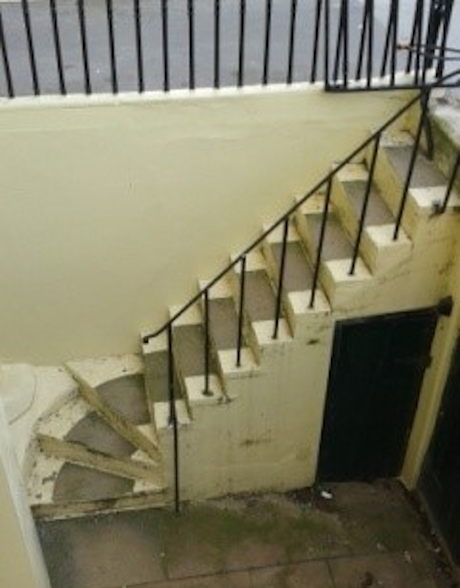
(139, 45)
(324, 186)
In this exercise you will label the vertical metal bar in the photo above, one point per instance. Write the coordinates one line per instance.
(173, 419)
(430, 41)
(216, 43)
(389, 37)
(327, 26)
(165, 40)
(57, 46)
(30, 45)
(338, 47)
(268, 26)
(6, 61)
(450, 186)
(314, 65)
(207, 346)
(346, 40)
(191, 44)
(415, 38)
(112, 54)
(292, 41)
(419, 45)
(367, 194)
(279, 295)
(84, 45)
(394, 44)
(139, 52)
(321, 243)
(241, 311)
(362, 40)
(241, 43)
(425, 100)
(370, 45)
(446, 24)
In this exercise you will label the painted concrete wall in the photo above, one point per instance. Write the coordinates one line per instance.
(112, 207)
(21, 562)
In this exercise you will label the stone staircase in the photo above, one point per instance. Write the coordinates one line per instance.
(257, 425)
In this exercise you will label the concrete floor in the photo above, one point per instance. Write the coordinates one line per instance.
(366, 535)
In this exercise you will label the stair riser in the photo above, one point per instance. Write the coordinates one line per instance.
(378, 256)
(80, 455)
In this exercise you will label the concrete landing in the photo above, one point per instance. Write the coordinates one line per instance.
(364, 536)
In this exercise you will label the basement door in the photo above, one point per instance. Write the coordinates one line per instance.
(376, 374)
(440, 479)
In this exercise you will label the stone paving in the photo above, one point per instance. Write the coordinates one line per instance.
(364, 536)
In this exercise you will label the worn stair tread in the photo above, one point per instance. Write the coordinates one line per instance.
(260, 300)
(223, 323)
(336, 245)
(94, 433)
(298, 275)
(189, 350)
(127, 396)
(157, 377)
(425, 174)
(377, 213)
(76, 483)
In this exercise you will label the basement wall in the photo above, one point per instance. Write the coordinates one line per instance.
(112, 207)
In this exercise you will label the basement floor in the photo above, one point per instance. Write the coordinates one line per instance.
(359, 536)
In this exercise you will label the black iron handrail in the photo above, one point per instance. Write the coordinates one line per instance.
(284, 221)
(340, 50)
(373, 138)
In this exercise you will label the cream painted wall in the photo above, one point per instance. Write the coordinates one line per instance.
(112, 207)
(21, 562)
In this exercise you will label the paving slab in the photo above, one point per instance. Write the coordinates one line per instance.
(312, 574)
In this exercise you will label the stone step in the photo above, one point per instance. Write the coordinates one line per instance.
(112, 412)
(378, 248)
(58, 489)
(80, 454)
(427, 186)
(334, 273)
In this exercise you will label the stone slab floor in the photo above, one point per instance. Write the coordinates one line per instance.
(364, 536)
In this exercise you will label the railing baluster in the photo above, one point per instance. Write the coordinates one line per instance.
(394, 46)
(314, 65)
(165, 42)
(416, 39)
(241, 43)
(84, 45)
(216, 44)
(279, 294)
(241, 311)
(390, 39)
(207, 345)
(346, 40)
(6, 61)
(139, 51)
(57, 46)
(268, 26)
(173, 419)
(367, 194)
(319, 251)
(442, 51)
(367, 32)
(450, 186)
(327, 27)
(425, 100)
(338, 47)
(191, 44)
(30, 45)
(112, 54)
(430, 41)
(292, 41)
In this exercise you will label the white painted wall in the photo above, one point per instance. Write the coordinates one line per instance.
(112, 207)
(21, 561)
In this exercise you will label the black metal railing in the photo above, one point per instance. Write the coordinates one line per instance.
(372, 145)
(77, 46)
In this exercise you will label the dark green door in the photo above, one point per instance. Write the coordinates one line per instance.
(440, 480)
(377, 370)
